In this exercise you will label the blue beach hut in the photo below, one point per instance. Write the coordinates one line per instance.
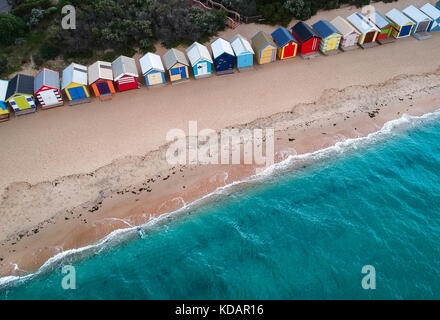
(200, 60)
(243, 51)
(434, 14)
(152, 69)
(224, 56)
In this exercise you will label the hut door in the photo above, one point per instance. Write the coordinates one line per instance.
(202, 69)
(49, 97)
(369, 37)
(423, 26)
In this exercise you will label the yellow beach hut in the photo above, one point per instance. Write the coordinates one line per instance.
(264, 47)
(74, 84)
(20, 94)
(177, 65)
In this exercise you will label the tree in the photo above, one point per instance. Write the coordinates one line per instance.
(11, 28)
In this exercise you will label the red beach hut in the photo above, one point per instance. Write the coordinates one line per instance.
(307, 38)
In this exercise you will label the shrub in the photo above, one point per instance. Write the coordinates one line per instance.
(11, 28)
(49, 50)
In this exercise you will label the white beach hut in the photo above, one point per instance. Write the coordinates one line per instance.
(152, 69)
(422, 21)
(402, 25)
(434, 14)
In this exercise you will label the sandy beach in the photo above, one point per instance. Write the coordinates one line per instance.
(69, 175)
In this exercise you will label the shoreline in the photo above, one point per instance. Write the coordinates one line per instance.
(170, 189)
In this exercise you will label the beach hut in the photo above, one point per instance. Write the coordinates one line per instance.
(224, 56)
(125, 73)
(307, 38)
(47, 89)
(264, 47)
(286, 42)
(330, 36)
(402, 25)
(385, 26)
(176, 64)
(152, 69)
(434, 14)
(74, 84)
(368, 31)
(200, 60)
(20, 94)
(350, 36)
(243, 51)
(422, 21)
(4, 110)
(101, 79)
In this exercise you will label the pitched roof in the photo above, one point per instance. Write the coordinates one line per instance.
(304, 32)
(22, 84)
(174, 56)
(261, 40)
(431, 11)
(220, 46)
(75, 73)
(3, 89)
(325, 28)
(398, 17)
(47, 77)
(197, 52)
(100, 70)
(123, 66)
(415, 14)
(379, 20)
(361, 23)
(150, 62)
(343, 26)
(241, 46)
(282, 36)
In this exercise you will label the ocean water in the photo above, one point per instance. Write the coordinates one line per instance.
(304, 230)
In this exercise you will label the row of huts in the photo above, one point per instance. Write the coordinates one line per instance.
(104, 78)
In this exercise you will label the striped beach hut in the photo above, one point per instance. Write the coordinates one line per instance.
(402, 25)
(434, 14)
(422, 21)
(264, 47)
(224, 56)
(350, 36)
(47, 89)
(74, 84)
(368, 31)
(101, 79)
(286, 42)
(125, 73)
(385, 26)
(20, 94)
(200, 60)
(243, 51)
(152, 69)
(4, 110)
(330, 36)
(307, 38)
(176, 64)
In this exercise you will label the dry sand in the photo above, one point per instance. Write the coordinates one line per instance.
(83, 165)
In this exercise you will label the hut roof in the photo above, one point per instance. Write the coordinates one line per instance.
(75, 73)
(241, 46)
(47, 77)
(220, 46)
(22, 84)
(379, 20)
(100, 70)
(415, 14)
(343, 26)
(304, 32)
(174, 56)
(325, 28)
(398, 17)
(361, 23)
(197, 52)
(431, 11)
(261, 39)
(282, 36)
(150, 62)
(3, 89)
(123, 66)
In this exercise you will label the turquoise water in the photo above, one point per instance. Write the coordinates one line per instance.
(300, 234)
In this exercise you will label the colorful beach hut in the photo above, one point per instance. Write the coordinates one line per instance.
(47, 89)
(224, 56)
(243, 51)
(422, 21)
(330, 36)
(286, 42)
(152, 69)
(20, 94)
(385, 26)
(434, 14)
(264, 47)
(176, 64)
(4, 110)
(125, 73)
(101, 79)
(307, 38)
(368, 31)
(200, 60)
(350, 36)
(402, 25)
(74, 84)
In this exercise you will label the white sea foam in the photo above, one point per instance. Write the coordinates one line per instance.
(389, 128)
